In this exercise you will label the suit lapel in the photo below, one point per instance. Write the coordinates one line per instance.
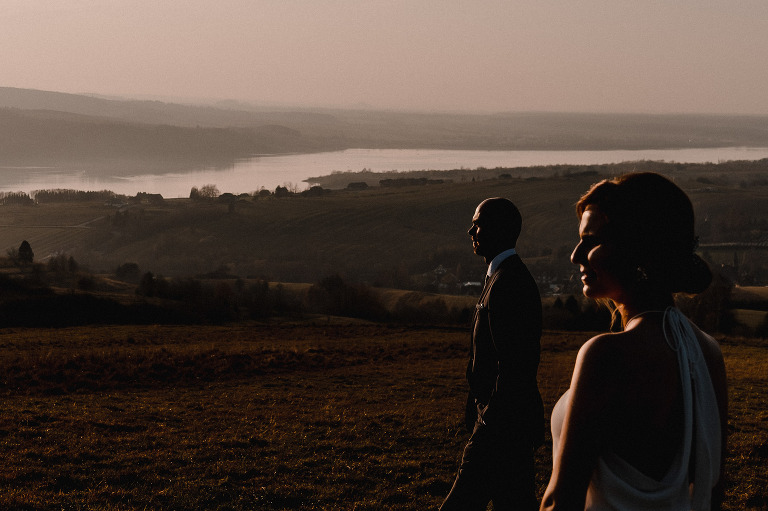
(482, 303)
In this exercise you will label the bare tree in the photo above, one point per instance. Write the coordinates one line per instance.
(209, 191)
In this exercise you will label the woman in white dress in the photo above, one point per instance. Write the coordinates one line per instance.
(644, 423)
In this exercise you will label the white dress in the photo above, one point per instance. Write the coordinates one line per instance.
(617, 485)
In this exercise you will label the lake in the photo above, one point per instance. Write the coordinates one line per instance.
(293, 170)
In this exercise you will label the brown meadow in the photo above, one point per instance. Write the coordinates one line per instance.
(277, 416)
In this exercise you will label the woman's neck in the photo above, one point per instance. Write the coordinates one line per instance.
(633, 309)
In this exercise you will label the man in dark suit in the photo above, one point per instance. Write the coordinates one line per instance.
(504, 409)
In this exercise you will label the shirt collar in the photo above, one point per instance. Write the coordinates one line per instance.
(498, 260)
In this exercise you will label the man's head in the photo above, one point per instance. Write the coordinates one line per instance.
(495, 227)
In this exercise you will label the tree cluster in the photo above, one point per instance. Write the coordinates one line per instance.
(67, 195)
(205, 192)
(15, 198)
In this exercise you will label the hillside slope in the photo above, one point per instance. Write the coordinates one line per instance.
(45, 137)
(386, 236)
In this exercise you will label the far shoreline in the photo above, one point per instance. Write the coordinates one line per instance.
(336, 169)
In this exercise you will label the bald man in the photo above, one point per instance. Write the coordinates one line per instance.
(504, 408)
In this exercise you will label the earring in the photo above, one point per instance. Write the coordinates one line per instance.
(641, 274)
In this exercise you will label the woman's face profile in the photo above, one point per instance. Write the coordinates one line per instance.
(596, 257)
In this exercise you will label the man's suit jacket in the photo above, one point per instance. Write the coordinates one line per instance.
(504, 358)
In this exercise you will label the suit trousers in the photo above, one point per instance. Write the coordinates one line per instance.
(496, 466)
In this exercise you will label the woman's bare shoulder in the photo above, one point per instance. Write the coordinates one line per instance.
(606, 345)
(603, 353)
(596, 347)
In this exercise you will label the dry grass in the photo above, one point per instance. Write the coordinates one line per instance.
(276, 417)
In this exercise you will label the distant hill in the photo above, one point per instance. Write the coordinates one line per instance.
(93, 127)
(49, 137)
(53, 128)
(153, 112)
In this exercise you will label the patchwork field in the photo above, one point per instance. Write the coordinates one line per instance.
(276, 416)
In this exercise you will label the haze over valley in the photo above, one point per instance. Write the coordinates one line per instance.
(48, 132)
(129, 137)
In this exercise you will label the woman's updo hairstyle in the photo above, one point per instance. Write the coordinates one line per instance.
(650, 221)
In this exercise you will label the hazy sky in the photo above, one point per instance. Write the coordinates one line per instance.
(707, 56)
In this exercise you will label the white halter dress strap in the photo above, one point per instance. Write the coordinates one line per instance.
(617, 485)
(706, 416)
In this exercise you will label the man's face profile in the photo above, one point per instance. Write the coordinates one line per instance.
(484, 235)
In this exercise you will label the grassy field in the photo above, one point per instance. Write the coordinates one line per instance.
(276, 416)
